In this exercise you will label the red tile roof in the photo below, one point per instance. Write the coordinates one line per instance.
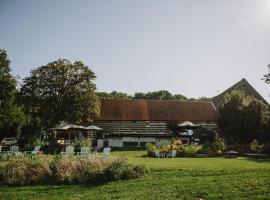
(156, 110)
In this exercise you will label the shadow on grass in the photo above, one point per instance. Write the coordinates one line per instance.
(258, 160)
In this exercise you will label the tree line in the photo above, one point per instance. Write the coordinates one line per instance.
(155, 95)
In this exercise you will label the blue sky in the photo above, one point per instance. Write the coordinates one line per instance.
(191, 47)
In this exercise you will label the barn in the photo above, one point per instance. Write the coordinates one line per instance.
(133, 123)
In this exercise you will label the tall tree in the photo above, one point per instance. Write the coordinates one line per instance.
(256, 117)
(11, 115)
(61, 91)
(244, 118)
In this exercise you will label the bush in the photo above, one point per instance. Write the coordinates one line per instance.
(22, 171)
(120, 170)
(150, 149)
(36, 140)
(218, 147)
(191, 151)
(254, 146)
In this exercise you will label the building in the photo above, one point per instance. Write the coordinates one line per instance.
(133, 123)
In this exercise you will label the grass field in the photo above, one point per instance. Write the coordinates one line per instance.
(179, 178)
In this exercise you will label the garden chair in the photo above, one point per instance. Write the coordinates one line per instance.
(95, 153)
(172, 154)
(31, 154)
(84, 153)
(158, 154)
(106, 152)
(14, 150)
(3, 154)
(69, 151)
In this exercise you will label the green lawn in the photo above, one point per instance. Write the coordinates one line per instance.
(179, 178)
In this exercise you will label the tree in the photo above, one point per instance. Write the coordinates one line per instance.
(11, 115)
(113, 95)
(243, 117)
(159, 95)
(61, 91)
(256, 116)
(231, 118)
(140, 95)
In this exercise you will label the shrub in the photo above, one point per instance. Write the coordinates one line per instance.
(22, 171)
(150, 149)
(254, 146)
(36, 141)
(191, 151)
(120, 170)
(87, 142)
(92, 172)
(218, 147)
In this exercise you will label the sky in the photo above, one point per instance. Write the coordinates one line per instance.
(195, 48)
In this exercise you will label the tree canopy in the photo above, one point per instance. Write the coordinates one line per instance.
(243, 117)
(113, 95)
(11, 115)
(61, 91)
(159, 95)
(156, 95)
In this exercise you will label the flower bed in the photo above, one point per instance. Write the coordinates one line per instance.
(181, 150)
(215, 149)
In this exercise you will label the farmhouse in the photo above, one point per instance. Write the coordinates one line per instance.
(132, 123)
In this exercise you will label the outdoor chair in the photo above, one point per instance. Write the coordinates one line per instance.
(69, 151)
(31, 154)
(13, 151)
(158, 154)
(3, 154)
(172, 154)
(106, 152)
(84, 153)
(95, 154)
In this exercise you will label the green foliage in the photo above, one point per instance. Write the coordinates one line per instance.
(11, 116)
(219, 143)
(159, 95)
(121, 170)
(86, 142)
(243, 117)
(61, 91)
(254, 146)
(150, 147)
(156, 95)
(36, 140)
(113, 95)
(191, 151)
